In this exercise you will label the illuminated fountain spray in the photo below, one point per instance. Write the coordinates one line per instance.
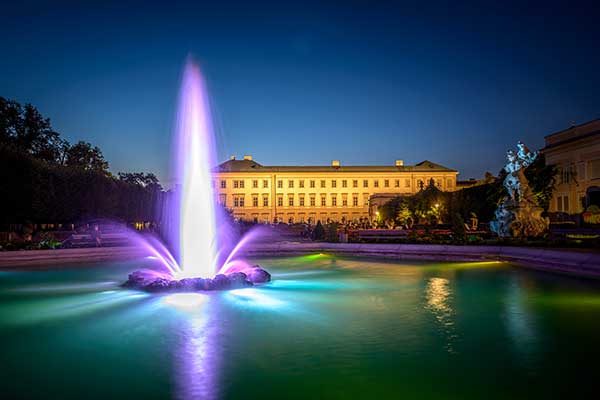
(194, 158)
(200, 249)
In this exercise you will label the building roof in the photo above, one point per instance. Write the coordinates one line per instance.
(252, 166)
(573, 133)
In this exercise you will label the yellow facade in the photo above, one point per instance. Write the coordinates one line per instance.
(311, 193)
(576, 152)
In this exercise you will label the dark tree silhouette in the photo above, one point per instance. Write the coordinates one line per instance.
(83, 155)
(44, 179)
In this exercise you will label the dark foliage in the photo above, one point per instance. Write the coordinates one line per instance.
(44, 179)
(542, 180)
(481, 200)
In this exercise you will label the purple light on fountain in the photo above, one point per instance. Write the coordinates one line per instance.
(193, 159)
(200, 250)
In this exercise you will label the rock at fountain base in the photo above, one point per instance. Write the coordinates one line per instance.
(519, 220)
(151, 281)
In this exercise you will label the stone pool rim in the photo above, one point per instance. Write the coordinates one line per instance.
(570, 262)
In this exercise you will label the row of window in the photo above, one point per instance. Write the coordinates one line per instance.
(575, 173)
(239, 201)
(239, 184)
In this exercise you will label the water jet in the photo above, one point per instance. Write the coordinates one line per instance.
(201, 257)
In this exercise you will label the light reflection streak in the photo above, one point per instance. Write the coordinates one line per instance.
(37, 311)
(254, 298)
(519, 323)
(185, 301)
(76, 287)
(438, 295)
(197, 361)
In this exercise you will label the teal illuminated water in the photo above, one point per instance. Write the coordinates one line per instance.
(326, 327)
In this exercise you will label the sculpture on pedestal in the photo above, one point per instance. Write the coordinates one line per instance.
(519, 215)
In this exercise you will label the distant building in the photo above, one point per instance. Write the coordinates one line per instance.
(576, 152)
(310, 193)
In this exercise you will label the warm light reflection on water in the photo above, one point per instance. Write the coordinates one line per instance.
(438, 296)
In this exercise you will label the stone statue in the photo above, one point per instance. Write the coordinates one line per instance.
(519, 215)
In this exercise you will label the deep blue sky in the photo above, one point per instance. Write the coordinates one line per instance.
(304, 84)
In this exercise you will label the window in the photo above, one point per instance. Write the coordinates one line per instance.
(595, 169)
(223, 184)
(344, 202)
(235, 184)
(280, 184)
(333, 183)
(397, 183)
(567, 174)
(255, 183)
(290, 183)
(301, 201)
(301, 183)
(265, 201)
(238, 201)
(254, 201)
(375, 183)
(323, 183)
(280, 201)
(334, 201)
(312, 184)
(438, 183)
(355, 201)
(355, 183)
(265, 183)
(407, 183)
(581, 172)
(365, 183)
(223, 200)
(449, 183)
(323, 201)
(312, 201)
(420, 184)
(562, 203)
(291, 201)
(241, 185)
(386, 183)
(344, 183)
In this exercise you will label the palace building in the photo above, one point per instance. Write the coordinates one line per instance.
(576, 152)
(336, 192)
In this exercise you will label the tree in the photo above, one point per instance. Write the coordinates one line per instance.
(148, 180)
(27, 130)
(458, 228)
(428, 204)
(542, 180)
(404, 216)
(58, 182)
(83, 155)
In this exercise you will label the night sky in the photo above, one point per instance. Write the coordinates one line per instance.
(305, 84)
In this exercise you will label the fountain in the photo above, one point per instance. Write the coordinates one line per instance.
(197, 230)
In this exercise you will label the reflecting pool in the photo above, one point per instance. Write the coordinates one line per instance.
(326, 327)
